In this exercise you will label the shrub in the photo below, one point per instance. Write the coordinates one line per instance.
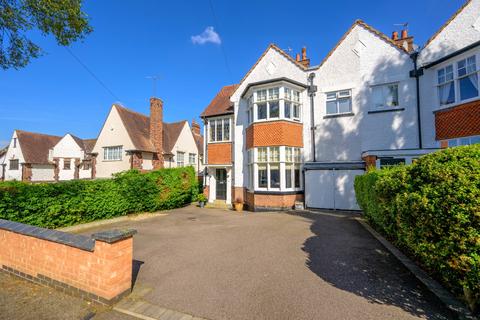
(431, 209)
(53, 205)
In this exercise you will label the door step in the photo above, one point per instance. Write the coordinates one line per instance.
(219, 204)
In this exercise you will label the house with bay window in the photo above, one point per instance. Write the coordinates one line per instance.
(297, 133)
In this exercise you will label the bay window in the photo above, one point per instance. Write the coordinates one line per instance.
(339, 102)
(219, 130)
(274, 103)
(274, 168)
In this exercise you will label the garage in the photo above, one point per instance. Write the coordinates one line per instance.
(330, 185)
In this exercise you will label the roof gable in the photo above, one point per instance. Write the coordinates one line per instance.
(36, 146)
(171, 132)
(221, 104)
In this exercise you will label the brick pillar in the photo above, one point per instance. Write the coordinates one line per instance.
(94, 166)
(26, 172)
(156, 131)
(76, 173)
(136, 160)
(56, 169)
(370, 162)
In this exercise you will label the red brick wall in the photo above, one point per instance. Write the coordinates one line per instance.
(274, 133)
(106, 272)
(284, 201)
(156, 131)
(219, 153)
(136, 160)
(459, 121)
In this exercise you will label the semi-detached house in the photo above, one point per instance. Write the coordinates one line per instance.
(290, 132)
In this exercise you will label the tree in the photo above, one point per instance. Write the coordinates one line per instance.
(63, 19)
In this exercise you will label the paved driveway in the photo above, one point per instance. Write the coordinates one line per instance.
(221, 265)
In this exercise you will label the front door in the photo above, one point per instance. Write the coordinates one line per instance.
(221, 186)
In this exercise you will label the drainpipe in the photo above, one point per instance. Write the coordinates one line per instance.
(417, 73)
(311, 92)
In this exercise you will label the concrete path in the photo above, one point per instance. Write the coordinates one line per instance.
(217, 264)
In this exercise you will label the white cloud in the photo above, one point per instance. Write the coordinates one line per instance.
(209, 35)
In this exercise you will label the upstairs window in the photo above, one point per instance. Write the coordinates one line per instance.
(180, 159)
(339, 102)
(219, 130)
(274, 103)
(467, 78)
(112, 153)
(66, 164)
(446, 86)
(191, 158)
(14, 165)
(385, 96)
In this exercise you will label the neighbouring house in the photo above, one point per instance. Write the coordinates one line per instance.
(131, 140)
(196, 131)
(27, 157)
(290, 132)
(72, 158)
(450, 63)
(3, 152)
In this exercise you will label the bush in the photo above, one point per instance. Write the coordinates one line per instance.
(53, 205)
(431, 209)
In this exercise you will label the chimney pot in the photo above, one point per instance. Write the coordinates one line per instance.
(297, 57)
(404, 34)
(156, 131)
(304, 53)
(394, 35)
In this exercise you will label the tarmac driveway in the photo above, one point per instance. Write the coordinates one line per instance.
(218, 264)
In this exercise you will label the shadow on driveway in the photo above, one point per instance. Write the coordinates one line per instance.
(346, 256)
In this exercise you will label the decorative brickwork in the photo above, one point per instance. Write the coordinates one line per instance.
(219, 153)
(274, 133)
(136, 160)
(98, 268)
(459, 121)
(258, 202)
(156, 131)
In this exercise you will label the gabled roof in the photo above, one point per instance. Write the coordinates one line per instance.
(369, 28)
(447, 23)
(221, 104)
(138, 129)
(36, 146)
(86, 144)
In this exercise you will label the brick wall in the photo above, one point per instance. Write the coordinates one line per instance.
(98, 270)
(271, 201)
(370, 162)
(219, 153)
(274, 133)
(136, 160)
(459, 121)
(156, 131)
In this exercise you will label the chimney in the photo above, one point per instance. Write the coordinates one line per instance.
(298, 57)
(404, 41)
(156, 131)
(195, 128)
(305, 61)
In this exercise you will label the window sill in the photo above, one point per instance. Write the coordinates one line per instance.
(386, 110)
(275, 192)
(339, 115)
(111, 160)
(226, 141)
(455, 104)
(274, 120)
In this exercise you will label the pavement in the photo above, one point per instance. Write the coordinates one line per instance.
(218, 264)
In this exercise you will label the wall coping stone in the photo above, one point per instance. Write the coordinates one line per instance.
(112, 236)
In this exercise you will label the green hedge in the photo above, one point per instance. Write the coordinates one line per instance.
(431, 209)
(53, 205)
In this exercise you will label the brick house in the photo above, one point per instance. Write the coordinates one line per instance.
(301, 133)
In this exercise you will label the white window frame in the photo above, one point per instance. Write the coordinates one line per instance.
(113, 153)
(177, 158)
(456, 80)
(285, 94)
(192, 156)
(383, 87)
(219, 122)
(343, 94)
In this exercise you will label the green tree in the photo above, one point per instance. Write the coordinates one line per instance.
(63, 19)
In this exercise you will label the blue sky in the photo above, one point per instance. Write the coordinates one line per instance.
(136, 39)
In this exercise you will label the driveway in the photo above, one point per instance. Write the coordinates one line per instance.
(218, 264)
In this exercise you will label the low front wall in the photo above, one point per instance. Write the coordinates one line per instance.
(271, 202)
(97, 268)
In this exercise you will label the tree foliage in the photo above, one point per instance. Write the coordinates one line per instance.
(63, 19)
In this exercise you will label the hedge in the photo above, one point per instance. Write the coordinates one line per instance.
(431, 210)
(53, 205)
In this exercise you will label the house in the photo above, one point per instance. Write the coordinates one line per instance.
(131, 140)
(450, 67)
(290, 132)
(72, 158)
(3, 152)
(27, 157)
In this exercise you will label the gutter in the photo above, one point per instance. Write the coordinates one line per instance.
(451, 55)
(417, 73)
(311, 92)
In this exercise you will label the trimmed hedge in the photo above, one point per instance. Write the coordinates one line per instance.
(53, 205)
(431, 209)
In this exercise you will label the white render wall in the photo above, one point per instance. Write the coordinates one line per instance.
(43, 172)
(67, 148)
(14, 153)
(112, 134)
(185, 143)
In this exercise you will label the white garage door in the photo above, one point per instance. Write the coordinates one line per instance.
(331, 189)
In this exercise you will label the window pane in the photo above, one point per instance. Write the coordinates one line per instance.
(288, 176)
(288, 93)
(331, 107)
(392, 95)
(344, 105)
(262, 155)
(297, 177)
(475, 140)
(261, 95)
(274, 109)
(449, 73)
(262, 176)
(274, 176)
(469, 87)
(296, 96)
(298, 155)
(226, 129)
(441, 76)
(219, 130)
(261, 111)
(274, 154)
(471, 64)
(273, 93)
(288, 154)
(377, 94)
(287, 109)
(344, 93)
(446, 93)
(462, 70)
(296, 111)
(212, 130)
(331, 96)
